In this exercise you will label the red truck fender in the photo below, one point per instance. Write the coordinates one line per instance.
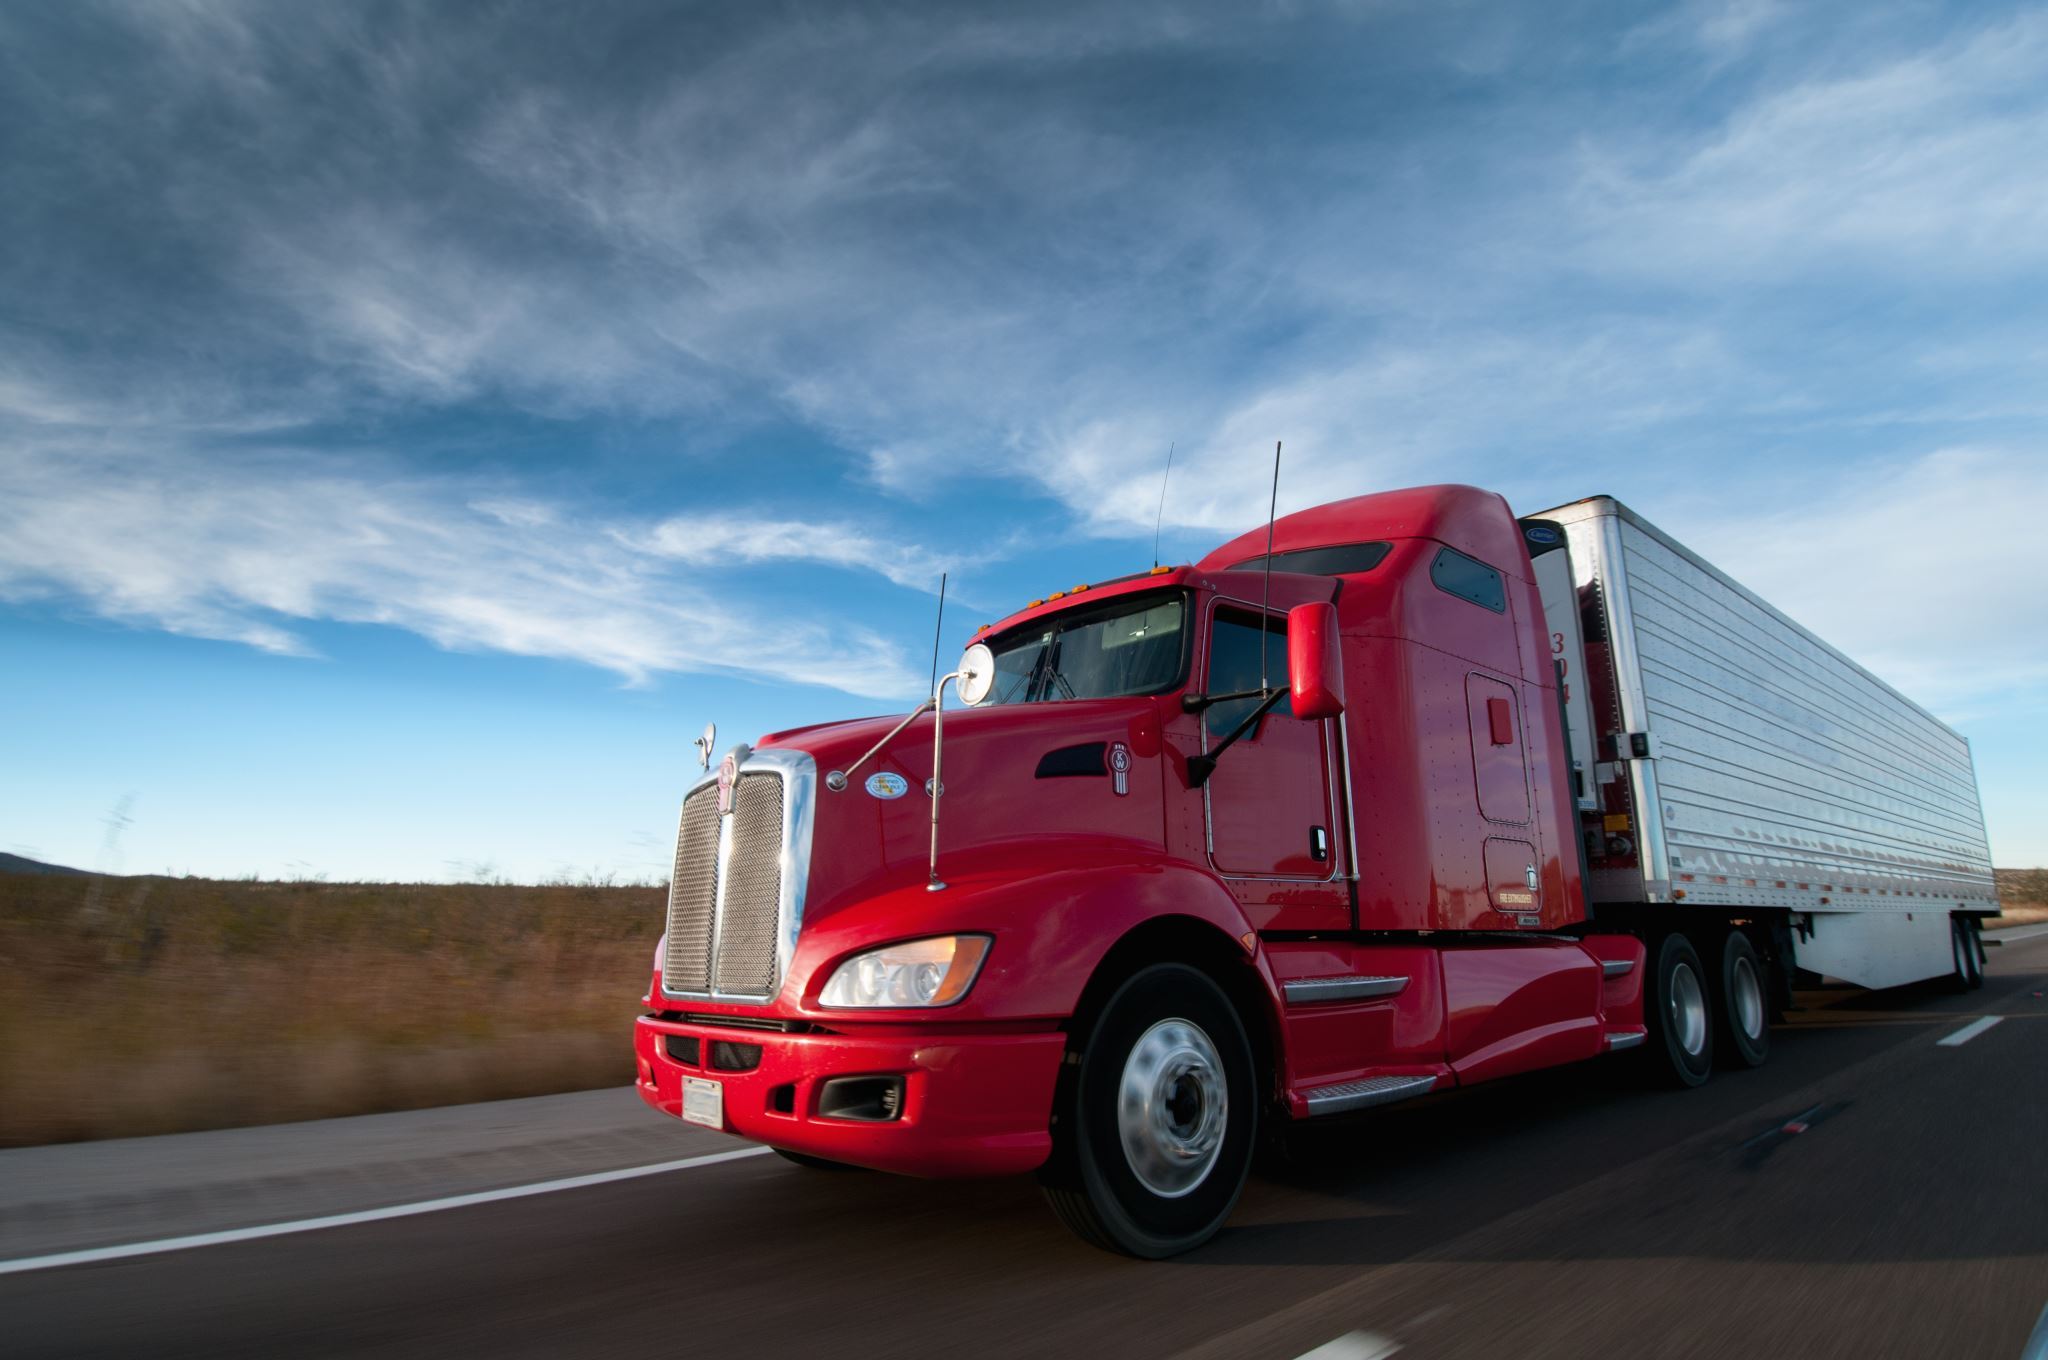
(1053, 933)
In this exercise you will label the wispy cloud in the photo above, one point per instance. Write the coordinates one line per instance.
(1926, 570)
(1036, 249)
(1907, 159)
(247, 551)
(723, 538)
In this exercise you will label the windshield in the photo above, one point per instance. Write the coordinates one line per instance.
(1134, 647)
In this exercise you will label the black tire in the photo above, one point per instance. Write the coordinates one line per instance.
(1680, 1048)
(1965, 975)
(1742, 1004)
(806, 1160)
(1110, 1162)
(1970, 953)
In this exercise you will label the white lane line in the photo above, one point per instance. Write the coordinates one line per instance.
(2014, 934)
(425, 1206)
(1354, 1346)
(1969, 1032)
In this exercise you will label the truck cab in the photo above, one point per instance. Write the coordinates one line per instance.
(1284, 833)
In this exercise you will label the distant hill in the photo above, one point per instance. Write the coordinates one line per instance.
(19, 864)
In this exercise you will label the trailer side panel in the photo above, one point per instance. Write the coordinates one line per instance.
(1773, 770)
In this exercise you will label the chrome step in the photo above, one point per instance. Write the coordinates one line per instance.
(1341, 987)
(1362, 1094)
(1617, 1042)
(1616, 967)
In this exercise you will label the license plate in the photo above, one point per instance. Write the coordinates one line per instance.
(704, 1102)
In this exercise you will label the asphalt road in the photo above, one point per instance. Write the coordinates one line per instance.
(1568, 1214)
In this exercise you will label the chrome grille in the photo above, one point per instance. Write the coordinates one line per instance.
(747, 921)
(736, 900)
(693, 896)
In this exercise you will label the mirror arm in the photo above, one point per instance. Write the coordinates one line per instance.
(1202, 766)
(1195, 703)
(836, 780)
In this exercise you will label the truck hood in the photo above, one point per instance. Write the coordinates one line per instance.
(1019, 779)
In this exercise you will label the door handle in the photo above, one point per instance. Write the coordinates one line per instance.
(1318, 844)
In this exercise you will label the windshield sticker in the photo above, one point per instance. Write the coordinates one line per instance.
(882, 784)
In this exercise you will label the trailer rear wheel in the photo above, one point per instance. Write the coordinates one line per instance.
(1741, 1002)
(1681, 1046)
(1968, 953)
(1154, 1133)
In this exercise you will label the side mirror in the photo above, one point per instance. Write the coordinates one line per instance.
(1315, 666)
(977, 674)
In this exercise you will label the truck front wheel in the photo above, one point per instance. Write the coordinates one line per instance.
(1154, 1132)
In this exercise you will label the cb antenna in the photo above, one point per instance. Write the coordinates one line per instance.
(1160, 518)
(1266, 597)
(937, 628)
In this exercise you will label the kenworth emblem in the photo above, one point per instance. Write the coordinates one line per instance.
(1120, 768)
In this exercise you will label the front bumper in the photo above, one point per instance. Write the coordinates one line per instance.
(973, 1104)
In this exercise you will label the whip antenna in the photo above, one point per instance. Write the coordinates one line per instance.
(937, 628)
(1266, 597)
(1160, 518)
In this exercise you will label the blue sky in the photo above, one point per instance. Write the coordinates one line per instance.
(417, 421)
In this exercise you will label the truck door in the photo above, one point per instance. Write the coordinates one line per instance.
(1268, 804)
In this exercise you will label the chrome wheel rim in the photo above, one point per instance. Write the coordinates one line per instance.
(1688, 1007)
(1747, 996)
(1171, 1107)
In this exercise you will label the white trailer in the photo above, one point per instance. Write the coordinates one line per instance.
(1728, 762)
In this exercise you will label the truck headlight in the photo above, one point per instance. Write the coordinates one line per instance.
(916, 973)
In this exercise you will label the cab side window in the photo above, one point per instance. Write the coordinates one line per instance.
(1234, 666)
(1469, 579)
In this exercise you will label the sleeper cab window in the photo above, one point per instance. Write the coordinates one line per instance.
(1345, 559)
(1469, 579)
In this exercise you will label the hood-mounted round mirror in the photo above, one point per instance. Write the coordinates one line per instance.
(977, 674)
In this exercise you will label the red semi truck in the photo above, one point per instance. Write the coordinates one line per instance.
(1419, 796)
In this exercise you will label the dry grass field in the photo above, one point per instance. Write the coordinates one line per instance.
(157, 1005)
(2024, 895)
